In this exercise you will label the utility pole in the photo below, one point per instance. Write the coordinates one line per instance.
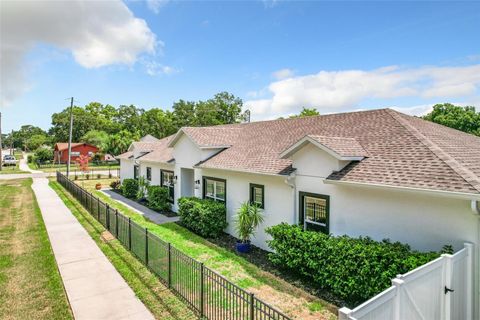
(11, 144)
(70, 137)
(1, 154)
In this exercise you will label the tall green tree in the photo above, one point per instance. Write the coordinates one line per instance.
(307, 112)
(465, 119)
(96, 137)
(20, 137)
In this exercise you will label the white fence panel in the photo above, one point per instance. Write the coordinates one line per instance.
(462, 284)
(424, 293)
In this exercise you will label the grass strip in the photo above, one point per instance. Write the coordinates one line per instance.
(30, 283)
(148, 288)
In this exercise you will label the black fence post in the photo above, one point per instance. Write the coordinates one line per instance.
(107, 217)
(252, 308)
(202, 289)
(116, 223)
(91, 202)
(146, 246)
(169, 278)
(129, 234)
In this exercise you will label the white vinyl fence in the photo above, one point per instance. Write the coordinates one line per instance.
(439, 290)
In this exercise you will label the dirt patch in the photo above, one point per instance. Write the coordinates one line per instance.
(107, 236)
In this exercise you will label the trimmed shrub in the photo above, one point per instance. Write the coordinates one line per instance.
(30, 158)
(157, 198)
(204, 217)
(353, 269)
(130, 188)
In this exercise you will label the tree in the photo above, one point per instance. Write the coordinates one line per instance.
(307, 112)
(20, 137)
(119, 143)
(83, 122)
(97, 138)
(43, 154)
(465, 119)
(184, 114)
(36, 141)
(158, 123)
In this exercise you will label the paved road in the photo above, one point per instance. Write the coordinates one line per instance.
(94, 287)
(154, 216)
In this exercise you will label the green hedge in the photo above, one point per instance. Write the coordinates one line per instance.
(204, 217)
(130, 188)
(158, 198)
(353, 269)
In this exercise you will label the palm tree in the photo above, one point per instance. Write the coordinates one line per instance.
(248, 218)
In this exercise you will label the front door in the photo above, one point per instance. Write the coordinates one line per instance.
(314, 211)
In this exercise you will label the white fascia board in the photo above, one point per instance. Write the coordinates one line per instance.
(242, 171)
(302, 142)
(442, 193)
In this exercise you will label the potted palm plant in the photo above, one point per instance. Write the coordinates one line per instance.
(247, 219)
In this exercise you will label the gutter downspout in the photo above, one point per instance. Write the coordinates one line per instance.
(290, 181)
(475, 205)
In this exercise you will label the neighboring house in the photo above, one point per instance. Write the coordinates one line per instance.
(60, 152)
(376, 173)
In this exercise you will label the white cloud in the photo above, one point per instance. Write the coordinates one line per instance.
(154, 68)
(97, 33)
(340, 90)
(156, 5)
(283, 74)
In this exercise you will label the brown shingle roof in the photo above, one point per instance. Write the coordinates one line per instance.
(338, 146)
(401, 150)
(64, 145)
(160, 151)
(396, 156)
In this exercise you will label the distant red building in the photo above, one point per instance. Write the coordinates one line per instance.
(60, 153)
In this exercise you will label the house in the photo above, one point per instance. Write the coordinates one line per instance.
(377, 173)
(60, 152)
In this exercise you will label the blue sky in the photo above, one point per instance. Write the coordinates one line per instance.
(277, 56)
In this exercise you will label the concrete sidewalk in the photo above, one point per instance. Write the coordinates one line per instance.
(94, 288)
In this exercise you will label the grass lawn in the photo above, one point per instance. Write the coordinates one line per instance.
(293, 301)
(30, 284)
(158, 299)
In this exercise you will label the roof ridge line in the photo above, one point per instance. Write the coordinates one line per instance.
(461, 170)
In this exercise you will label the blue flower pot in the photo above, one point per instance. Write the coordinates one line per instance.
(243, 247)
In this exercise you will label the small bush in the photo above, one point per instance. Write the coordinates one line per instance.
(158, 198)
(99, 176)
(130, 188)
(30, 158)
(115, 184)
(353, 269)
(204, 217)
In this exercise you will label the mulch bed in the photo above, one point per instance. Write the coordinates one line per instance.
(259, 257)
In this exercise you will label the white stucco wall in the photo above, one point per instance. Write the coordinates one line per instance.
(278, 199)
(126, 169)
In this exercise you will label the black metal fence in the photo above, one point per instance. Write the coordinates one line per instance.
(92, 173)
(206, 292)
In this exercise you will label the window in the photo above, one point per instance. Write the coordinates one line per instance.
(257, 195)
(214, 189)
(149, 174)
(166, 180)
(136, 170)
(90, 153)
(314, 211)
(75, 153)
